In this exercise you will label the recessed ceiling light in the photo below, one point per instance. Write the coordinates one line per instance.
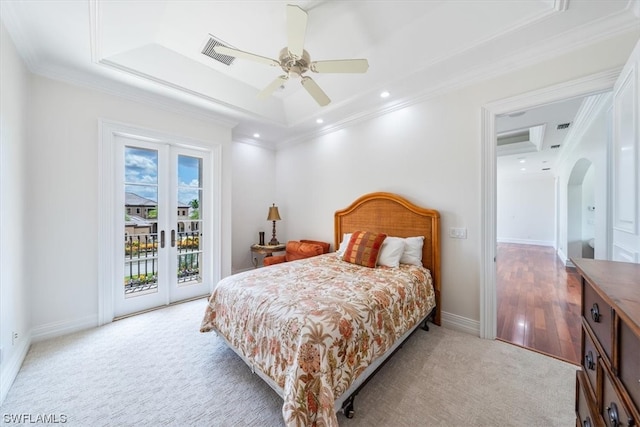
(319, 121)
(256, 135)
(385, 94)
(523, 169)
(522, 160)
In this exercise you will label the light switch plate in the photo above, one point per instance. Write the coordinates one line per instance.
(458, 232)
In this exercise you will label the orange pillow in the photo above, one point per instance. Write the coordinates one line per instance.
(364, 248)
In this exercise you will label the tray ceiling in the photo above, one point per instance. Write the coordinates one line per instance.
(414, 49)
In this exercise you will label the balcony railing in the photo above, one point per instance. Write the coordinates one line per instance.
(141, 260)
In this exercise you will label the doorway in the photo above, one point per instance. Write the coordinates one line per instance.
(581, 211)
(160, 189)
(159, 206)
(593, 84)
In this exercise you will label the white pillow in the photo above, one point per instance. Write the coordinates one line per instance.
(343, 245)
(391, 251)
(412, 251)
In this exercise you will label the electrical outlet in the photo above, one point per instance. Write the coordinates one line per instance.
(14, 338)
(457, 233)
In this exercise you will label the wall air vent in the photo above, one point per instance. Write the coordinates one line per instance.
(208, 50)
(553, 147)
(563, 126)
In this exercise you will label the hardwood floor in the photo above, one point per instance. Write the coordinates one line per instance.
(538, 301)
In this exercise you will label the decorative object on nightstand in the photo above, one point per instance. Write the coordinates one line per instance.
(274, 216)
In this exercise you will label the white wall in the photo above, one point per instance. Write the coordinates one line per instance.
(591, 148)
(525, 211)
(15, 292)
(428, 152)
(62, 171)
(589, 215)
(253, 191)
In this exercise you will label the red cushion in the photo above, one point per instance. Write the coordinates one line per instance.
(299, 250)
(364, 248)
(325, 245)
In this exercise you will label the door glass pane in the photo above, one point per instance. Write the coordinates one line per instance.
(189, 225)
(141, 221)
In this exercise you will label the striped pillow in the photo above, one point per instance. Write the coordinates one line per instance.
(363, 248)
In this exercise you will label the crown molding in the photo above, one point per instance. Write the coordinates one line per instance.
(213, 110)
(253, 142)
(126, 91)
(561, 5)
(589, 110)
(95, 33)
(472, 76)
(18, 34)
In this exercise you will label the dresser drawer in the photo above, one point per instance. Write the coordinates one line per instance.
(629, 363)
(586, 411)
(613, 410)
(590, 359)
(598, 316)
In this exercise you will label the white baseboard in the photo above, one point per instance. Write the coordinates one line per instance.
(12, 367)
(526, 241)
(564, 258)
(461, 324)
(63, 327)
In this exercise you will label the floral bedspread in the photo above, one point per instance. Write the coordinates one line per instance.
(314, 325)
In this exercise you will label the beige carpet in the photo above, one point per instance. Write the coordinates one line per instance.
(157, 369)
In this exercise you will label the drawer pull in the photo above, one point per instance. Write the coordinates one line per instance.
(587, 422)
(612, 412)
(595, 313)
(588, 361)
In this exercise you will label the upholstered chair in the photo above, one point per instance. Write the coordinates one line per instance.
(298, 250)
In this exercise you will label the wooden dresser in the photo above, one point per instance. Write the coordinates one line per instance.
(608, 385)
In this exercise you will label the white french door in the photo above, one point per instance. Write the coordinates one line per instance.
(162, 236)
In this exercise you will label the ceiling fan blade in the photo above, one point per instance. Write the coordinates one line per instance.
(296, 29)
(223, 50)
(340, 66)
(314, 90)
(267, 91)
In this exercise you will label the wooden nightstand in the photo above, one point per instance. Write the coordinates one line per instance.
(266, 250)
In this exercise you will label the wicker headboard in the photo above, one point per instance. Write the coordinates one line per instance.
(395, 216)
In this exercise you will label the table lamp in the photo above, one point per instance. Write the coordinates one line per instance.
(274, 216)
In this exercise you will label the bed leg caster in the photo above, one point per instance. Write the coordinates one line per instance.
(348, 408)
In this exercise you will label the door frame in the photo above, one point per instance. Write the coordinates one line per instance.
(107, 132)
(598, 82)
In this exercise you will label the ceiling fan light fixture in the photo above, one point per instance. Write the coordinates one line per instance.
(295, 61)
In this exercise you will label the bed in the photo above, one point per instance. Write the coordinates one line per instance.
(317, 329)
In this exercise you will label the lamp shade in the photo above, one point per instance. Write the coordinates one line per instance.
(274, 215)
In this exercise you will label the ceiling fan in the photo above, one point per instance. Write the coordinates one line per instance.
(295, 61)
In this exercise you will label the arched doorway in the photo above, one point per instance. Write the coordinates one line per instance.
(581, 211)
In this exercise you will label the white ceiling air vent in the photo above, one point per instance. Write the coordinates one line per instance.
(208, 50)
(563, 126)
